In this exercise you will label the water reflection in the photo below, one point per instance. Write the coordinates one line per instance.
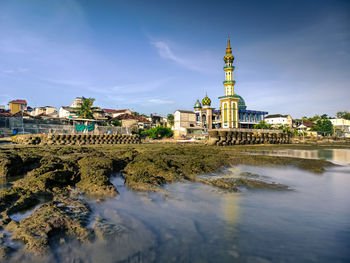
(339, 156)
(192, 222)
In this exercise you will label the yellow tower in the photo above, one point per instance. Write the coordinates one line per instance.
(229, 102)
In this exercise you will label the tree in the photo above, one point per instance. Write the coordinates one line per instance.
(343, 115)
(262, 125)
(323, 126)
(171, 119)
(158, 133)
(311, 119)
(116, 122)
(85, 108)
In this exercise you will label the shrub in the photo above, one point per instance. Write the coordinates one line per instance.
(158, 133)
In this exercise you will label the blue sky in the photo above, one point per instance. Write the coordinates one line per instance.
(291, 57)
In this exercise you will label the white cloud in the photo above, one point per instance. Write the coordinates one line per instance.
(165, 52)
(160, 101)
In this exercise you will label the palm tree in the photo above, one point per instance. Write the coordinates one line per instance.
(85, 108)
(262, 125)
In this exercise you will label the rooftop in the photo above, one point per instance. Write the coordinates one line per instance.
(18, 101)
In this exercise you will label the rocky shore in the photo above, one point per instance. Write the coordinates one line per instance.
(54, 181)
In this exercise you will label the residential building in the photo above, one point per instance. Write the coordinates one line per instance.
(114, 113)
(99, 114)
(48, 110)
(131, 121)
(158, 120)
(185, 124)
(17, 106)
(76, 103)
(279, 119)
(342, 125)
(67, 112)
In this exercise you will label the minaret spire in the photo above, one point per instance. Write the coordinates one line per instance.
(228, 48)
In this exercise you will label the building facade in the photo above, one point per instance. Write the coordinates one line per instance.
(17, 106)
(233, 111)
(279, 119)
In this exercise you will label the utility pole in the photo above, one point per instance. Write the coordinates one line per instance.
(22, 120)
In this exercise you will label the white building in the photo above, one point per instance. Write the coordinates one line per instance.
(341, 124)
(279, 119)
(67, 112)
(48, 110)
(185, 124)
(76, 103)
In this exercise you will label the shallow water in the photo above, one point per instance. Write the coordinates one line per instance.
(192, 222)
(338, 156)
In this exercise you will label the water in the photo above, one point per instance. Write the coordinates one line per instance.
(192, 222)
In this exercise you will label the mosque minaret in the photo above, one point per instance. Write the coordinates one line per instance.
(229, 103)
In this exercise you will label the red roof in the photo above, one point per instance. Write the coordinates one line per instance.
(18, 101)
(20, 114)
(308, 124)
(5, 114)
(127, 116)
(119, 111)
(110, 110)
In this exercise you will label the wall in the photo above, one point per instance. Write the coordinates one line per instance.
(7, 125)
(74, 139)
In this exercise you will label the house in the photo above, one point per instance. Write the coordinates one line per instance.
(17, 105)
(99, 114)
(185, 124)
(76, 103)
(67, 112)
(48, 110)
(341, 125)
(279, 119)
(131, 121)
(158, 120)
(115, 113)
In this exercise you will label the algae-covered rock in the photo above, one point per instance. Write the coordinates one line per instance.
(16, 198)
(59, 216)
(94, 176)
(233, 184)
(105, 230)
(53, 172)
(10, 164)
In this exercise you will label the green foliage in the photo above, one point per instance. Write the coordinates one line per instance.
(343, 115)
(323, 125)
(262, 125)
(286, 129)
(171, 119)
(158, 133)
(85, 108)
(116, 122)
(311, 119)
(135, 113)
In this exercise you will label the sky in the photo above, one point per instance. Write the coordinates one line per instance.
(291, 57)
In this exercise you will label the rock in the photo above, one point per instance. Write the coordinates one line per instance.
(62, 216)
(105, 230)
(94, 176)
(10, 164)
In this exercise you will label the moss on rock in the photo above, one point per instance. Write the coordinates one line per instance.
(59, 216)
(94, 176)
(10, 164)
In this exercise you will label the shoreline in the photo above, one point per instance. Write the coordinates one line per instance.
(64, 176)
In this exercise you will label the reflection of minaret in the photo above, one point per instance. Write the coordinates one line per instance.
(230, 210)
(229, 103)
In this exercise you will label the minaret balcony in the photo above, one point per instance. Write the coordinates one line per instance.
(229, 68)
(226, 82)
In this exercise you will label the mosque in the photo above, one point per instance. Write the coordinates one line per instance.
(233, 112)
